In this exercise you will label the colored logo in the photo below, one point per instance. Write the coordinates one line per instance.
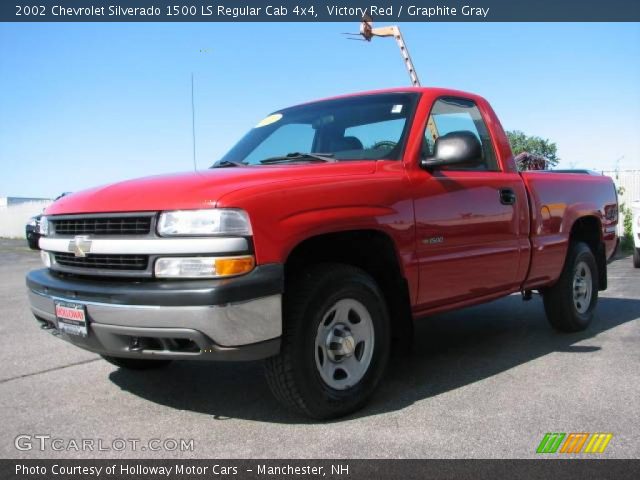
(574, 442)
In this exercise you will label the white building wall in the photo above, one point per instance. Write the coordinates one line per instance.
(13, 218)
(629, 180)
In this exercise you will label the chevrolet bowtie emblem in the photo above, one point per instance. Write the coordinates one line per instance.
(80, 246)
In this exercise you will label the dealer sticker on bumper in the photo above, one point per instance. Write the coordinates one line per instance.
(72, 318)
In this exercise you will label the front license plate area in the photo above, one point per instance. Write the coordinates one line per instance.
(72, 318)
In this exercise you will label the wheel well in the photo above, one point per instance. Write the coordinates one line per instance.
(588, 230)
(372, 251)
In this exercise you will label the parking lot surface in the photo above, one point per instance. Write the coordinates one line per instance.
(487, 381)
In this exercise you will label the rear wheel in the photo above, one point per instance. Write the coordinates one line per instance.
(636, 257)
(136, 363)
(335, 342)
(571, 302)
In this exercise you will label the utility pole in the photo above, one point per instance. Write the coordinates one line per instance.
(617, 163)
(368, 32)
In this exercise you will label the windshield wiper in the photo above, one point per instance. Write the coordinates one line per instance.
(228, 163)
(292, 157)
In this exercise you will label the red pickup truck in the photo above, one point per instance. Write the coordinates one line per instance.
(318, 240)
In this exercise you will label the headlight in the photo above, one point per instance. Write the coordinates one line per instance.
(215, 221)
(43, 228)
(203, 267)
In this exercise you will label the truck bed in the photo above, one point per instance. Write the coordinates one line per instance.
(555, 202)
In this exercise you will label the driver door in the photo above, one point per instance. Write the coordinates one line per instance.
(468, 232)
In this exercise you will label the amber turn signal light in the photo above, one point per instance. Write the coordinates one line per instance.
(227, 266)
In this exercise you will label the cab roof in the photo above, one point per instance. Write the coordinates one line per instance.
(432, 91)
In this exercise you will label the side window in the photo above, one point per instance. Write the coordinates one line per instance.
(298, 137)
(455, 115)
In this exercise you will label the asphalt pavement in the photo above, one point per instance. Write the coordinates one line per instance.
(487, 381)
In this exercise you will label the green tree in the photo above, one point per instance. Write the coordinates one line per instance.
(534, 148)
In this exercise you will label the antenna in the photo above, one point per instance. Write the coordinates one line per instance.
(367, 32)
(193, 125)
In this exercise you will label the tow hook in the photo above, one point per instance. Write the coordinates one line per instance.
(135, 345)
(526, 295)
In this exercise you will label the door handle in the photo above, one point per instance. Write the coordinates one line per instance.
(507, 196)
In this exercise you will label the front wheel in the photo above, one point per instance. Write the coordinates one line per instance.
(571, 302)
(335, 343)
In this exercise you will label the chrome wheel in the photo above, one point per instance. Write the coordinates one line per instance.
(582, 287)
(344, 344)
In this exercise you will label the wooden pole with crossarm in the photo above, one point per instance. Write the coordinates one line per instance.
(368, 32)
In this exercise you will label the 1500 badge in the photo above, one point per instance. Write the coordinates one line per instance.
(433, 240)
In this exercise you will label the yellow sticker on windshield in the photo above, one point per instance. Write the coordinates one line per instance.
(269, 120)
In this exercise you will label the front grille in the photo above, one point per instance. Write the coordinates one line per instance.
(103, 262)
(103, 226)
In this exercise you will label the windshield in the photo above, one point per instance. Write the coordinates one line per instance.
(366, 127)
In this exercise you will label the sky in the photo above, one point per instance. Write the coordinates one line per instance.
(88, 104)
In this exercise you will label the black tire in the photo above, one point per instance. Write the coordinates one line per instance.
(636, 257)
(32, 241)
(136, 363)
(565, 313)
(294, 375)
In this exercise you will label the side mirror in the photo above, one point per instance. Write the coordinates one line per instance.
(455, 148)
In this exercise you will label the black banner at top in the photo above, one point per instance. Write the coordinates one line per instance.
(319, 10)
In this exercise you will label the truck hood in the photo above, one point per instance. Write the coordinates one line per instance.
(194, 190)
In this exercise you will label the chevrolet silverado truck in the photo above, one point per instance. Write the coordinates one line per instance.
(318, 239)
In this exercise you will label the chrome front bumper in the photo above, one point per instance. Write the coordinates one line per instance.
(168, 319)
